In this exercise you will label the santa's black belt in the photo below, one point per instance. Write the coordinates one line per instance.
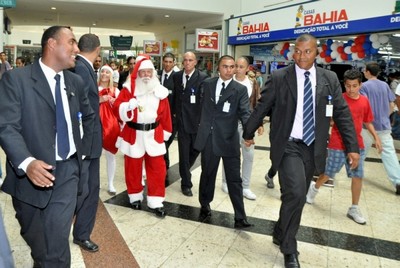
(143, 127)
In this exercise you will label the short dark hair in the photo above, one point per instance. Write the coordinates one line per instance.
(22, 59)
(130, 58)
(245, 58)
(168, 55)
(88, 42)
(51, 32)
(373, 68)
(352, 74)
(305, 38)
(225, 57)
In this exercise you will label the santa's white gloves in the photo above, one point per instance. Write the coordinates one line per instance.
(133, 104)
(161, 92)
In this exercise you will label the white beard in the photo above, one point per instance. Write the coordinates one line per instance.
(145, 85)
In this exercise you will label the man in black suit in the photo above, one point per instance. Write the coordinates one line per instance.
(43, 144)
(97, 65)
(166, 80)
(86, 207)
(131, 61)
(224, 103)
(298, 148)
(187, 93)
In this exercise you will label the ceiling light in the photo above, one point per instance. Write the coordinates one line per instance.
(53, 8)
(166, 16)
(392, 57)
(94, 24)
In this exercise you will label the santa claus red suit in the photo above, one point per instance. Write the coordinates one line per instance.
(143, 105)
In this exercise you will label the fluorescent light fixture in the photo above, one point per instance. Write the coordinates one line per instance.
(391, 57)
(53, 8)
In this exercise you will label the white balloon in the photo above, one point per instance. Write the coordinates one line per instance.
(334, 46)
(347, 50)
(383, 39)
(334, 54)
(373, 37)
(355, 56)
(290, 55)
(279, 46)
(320, 49)
(291, 48)
(339, 59)
(319, 61)
(376, 45)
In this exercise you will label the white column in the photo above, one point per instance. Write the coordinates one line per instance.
(2, 37)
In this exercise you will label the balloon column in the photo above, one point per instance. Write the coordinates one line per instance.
(357, 49)
(352, 50)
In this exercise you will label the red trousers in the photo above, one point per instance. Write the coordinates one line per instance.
(155, 174)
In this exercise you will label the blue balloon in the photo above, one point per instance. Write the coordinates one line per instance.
(373, 50)
(329, 42)
(350, 42)
(328, 52)
(349, 57)
(366, 45)
(285, 53)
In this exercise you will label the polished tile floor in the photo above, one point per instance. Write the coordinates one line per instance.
(327, 238)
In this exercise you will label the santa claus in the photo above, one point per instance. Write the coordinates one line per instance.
(143, 105)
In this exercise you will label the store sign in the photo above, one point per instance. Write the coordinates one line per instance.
(320, 18)
(207, 40)
(152, 48)
(8, 3)
(121, 42)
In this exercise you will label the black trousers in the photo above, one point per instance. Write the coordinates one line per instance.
(46, 230)
(187, 156)
(169, 142)
(295, 173)
(209, 169)
(86, 206)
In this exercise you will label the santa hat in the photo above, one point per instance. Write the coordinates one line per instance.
(142, 62)
(106, 67)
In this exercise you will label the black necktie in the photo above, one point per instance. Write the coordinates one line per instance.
(61, 123)
(187, 79)
(308, 111)
(165, 79)
(222, 89)
(221, 92)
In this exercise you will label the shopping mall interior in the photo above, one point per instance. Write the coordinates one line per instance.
(137, 238)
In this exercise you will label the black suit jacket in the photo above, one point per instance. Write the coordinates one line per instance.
(188, 114)
(27, 126)
(86, 72)
(280, 97)
(122, 78)
(223, 126)
(169, 84)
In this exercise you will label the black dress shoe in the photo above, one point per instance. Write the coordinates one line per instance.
(205, 211)
(241, 224)
(87, 245)
(187, 191)
(136, 205)
(160, 212)
(291, 261)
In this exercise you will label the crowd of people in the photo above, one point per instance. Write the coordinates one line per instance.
(54, 138)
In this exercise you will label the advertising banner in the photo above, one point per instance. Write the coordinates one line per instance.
(152, 48)
(208, 40)
(319, 18)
